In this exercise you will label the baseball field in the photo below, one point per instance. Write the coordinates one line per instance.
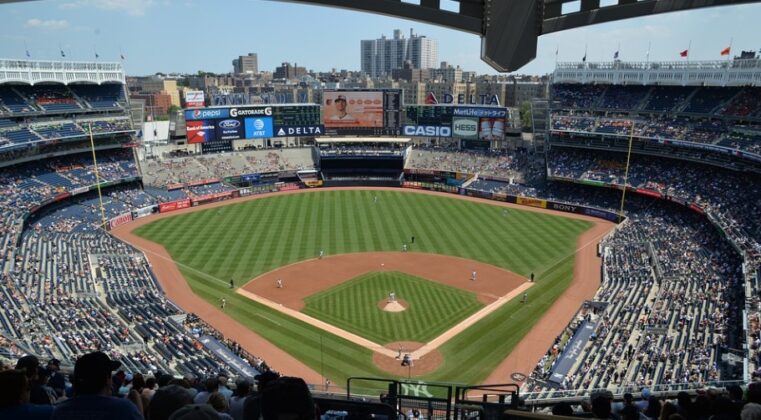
(251, 241)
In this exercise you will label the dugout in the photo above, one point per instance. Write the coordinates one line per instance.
(377, 161)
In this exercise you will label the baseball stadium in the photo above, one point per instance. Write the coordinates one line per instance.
(395, 260)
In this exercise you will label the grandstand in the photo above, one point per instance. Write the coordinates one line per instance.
(678, 307)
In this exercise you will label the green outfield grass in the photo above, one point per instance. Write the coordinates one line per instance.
(353, 306)
(244, 240)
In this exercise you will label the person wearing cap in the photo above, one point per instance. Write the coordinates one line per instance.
(167, 400)
(14, 398)
(341, 114)
(56, 381)
(92, 393)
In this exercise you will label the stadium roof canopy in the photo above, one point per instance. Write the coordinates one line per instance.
(389, 140)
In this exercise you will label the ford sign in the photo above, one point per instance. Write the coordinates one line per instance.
(229, 124)
(427, 131)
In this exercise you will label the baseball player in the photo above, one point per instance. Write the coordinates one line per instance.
(232, 284)
(322, 253)
(222, 305)
(279, 283)
(404, 247)
(525, 297)
(473, 275)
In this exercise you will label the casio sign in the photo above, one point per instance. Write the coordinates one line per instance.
(465, 127)
(229, 124)
(427, 131)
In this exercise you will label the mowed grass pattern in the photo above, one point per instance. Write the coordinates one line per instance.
(353, 306)
(244, 240)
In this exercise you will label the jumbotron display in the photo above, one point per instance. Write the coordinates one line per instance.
(362, 112)
(225, 124)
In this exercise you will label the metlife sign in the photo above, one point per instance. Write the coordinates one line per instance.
(258, 128)
(480, 111)
(207, 114)
(427, 131)
(250, 112)
(465, 128)
(295, 131)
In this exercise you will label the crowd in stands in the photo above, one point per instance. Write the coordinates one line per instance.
(727, 117)
(102, 388)
(164, 171)
(501, 165)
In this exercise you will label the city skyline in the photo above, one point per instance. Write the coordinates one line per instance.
(172, 36)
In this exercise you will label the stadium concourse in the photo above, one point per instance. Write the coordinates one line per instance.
(678, 308)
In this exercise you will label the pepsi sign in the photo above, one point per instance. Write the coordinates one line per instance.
(427, 131)
(257, 128)
(206, 114)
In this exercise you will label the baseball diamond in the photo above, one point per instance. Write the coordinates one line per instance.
(213, 244)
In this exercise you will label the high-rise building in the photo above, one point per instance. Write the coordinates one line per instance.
(288, 71)
(246, 64)
(380, 56)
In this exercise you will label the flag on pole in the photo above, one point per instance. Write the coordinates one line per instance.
(27, 54)
(684, 53)
(615, 55)
(584, 59)
(122, 56)
(726, 51)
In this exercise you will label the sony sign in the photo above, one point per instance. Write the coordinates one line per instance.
(248, 112)
(427, 131)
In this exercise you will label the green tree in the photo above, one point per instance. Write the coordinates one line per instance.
(525, 112)
(173, 109)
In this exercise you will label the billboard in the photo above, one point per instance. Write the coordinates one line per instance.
(206, 114)
(361, 112)
(427, 131)
(466, 128)
(194, 98)
(491, 129)
(229, 129)
(258, 128)
(199, 131)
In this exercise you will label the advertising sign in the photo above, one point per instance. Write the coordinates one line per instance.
(194, 98)
(257, 128)
(480, 111)
(174, 205)
(533, 202)
(427, 131)
(347, 109)
(294, 131)
(199, 131)
(251, 111)
(465, 128)
(428, 115)
(206, 114)
(492, 129)
(229, 129)
(120, 220)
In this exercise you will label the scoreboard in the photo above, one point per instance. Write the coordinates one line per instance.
(362, 112)
(297, 115)
(429, 115)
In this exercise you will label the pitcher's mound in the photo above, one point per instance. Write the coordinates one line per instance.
(398, 305)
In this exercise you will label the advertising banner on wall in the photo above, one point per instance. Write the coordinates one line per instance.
(120, 220)
(199, 131)
(258, 127)
(465, 128)
(229, 129)
(194, 98)
(491, 129)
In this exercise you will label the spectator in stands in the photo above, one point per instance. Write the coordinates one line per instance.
(150, 388)
(288, 397)
(252, 407)
(601, 404)
(14, 398)
(195, 412)
(562, 409)
(167, 400)
(212, 386)
(242, 389)
(56, 380)
(92, 389)
(751, 411)
(223, 389)
(30, 366)
(654, 408)
(218, 402)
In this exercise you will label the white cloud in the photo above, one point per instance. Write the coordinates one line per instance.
(132, 7)
(50, 24)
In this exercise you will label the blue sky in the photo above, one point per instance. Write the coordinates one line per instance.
(192, 35)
